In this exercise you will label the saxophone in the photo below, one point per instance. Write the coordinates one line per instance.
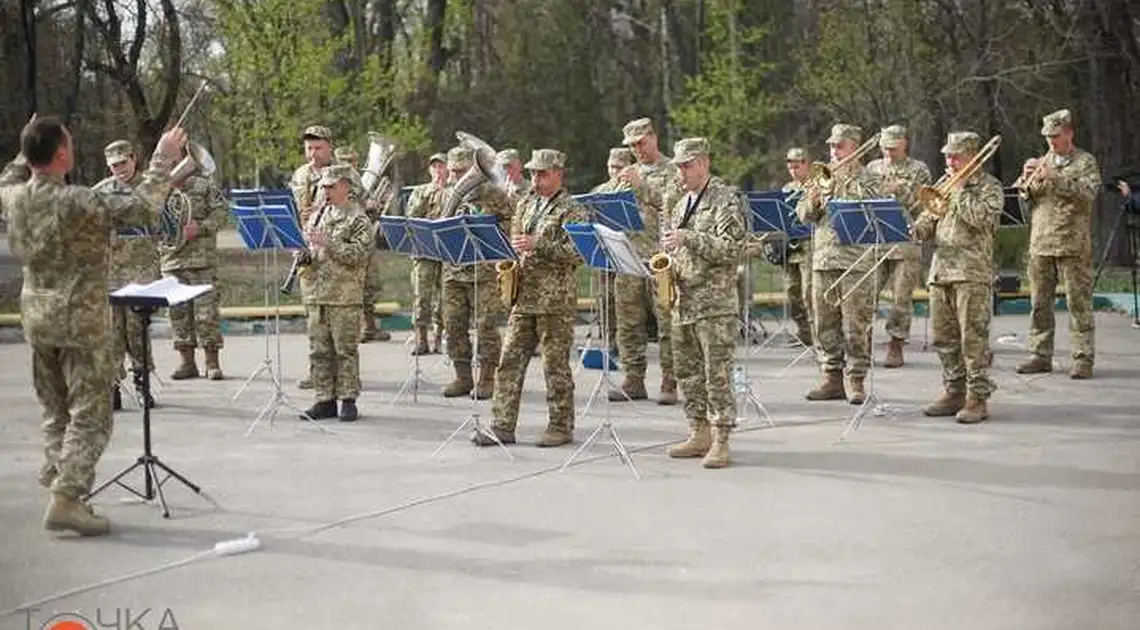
(661, 265)
(508, 281)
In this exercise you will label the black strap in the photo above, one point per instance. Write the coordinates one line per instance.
(692, 207)
(538, 214)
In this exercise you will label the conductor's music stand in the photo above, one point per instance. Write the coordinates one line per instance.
(267, 221)
(769, 213)
(873, 223)
(607, 250)
(468, 239)
(144, 300)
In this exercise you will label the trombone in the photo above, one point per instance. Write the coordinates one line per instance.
(1025, 182)
(936, 199)
(823, 174)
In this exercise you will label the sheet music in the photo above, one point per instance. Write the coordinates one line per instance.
(622, 255)
(168, 289)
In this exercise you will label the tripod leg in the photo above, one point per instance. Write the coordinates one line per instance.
(451, 437)
(158, 488)
(103, 486)
(171, 472)
(589, 440)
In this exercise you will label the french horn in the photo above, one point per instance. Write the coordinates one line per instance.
(178, 211)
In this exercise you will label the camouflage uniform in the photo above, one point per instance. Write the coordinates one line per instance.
(1060, 244)
(662, 191)
(425, 202)
(961, 281)
(711, 223)
(333, 283)
(842, 329)
(62, 236)
(903, 265)
(470, 292)
(543, 311)
(134, 258)
(797, 278)
(516, 191)
(196, 262)
(373, 284)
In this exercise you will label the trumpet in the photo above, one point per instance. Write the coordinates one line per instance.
(822, 175)
(661, 265)
(936, 199)
(1024, 182)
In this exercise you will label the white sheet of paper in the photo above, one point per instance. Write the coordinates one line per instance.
(622, 254)
(169, 289)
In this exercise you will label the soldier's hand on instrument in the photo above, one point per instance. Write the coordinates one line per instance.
(1030, 166)
(1125, 190)
(631, 176)
(671, 239)
(190, 230)
(171, 143)
(523, 243)
(317, 238)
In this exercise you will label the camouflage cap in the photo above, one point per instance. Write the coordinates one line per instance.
(344, 154)
(335, 173)
(621, 156)
(892, 137)
(118, 152)
(689, 149)
(1053, 124)
(437, 157)
(545, 159)
(962, 143)
(460, 158)
(796, 154)
(507, 156)
(635, 130)
(842, 131)
(317, 132)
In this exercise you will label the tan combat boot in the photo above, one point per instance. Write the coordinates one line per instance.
(856, 395)
(894, 354)
(305, 383)
(951, 401)
(1035, 365)
(188, 368)
(213, 368)
(1081, 370)
(555, 435)
(668, 391)
(632, 388)
(717, 457)
(975, 411)
(830, 387)
(463, 383)
(485, 388)
(368, 328)
(67, 514)
(698, 443)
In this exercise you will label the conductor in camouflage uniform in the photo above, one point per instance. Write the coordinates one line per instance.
(62, 236)
(198, 208)
(1061, 200)
(372, 282)
(705, 240)
(543, 313)
(899, 176)
(466, 303)
(961, 282)
(425, 202)
(134, 258)
(843, 314)
(340, 238)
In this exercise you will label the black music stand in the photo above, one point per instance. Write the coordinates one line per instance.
(606, 250)
(468, 239)
(769, 212)
(873, 223)
(144, 300)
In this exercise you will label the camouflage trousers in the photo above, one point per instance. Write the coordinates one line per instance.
(1078, 278)
(126, 339)
(635, 298)
(334, 362)
(427, 288)
(552, 335)
(843, 328)
(960, 329)
(459, 309)
(73, 385)
(197, 323)
(797, 289)
(372, 284)
(704, 356)
(901, 276)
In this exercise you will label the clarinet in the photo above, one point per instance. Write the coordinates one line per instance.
(305, 258)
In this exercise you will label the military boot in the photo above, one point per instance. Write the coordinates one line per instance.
(213, 368)
(1081, 370)
(305, 383)
(668, 391)
(321, 410)
(116, 399)
(555, 435)
(974, 412)
(437, 341)
(68, 514)
(632, 388)
(485, 388)
(463, 383)
(717, 457)
(368, 328)
(830, 387)
(698, 443)
(483, 437)
(894, 354)
(1035, 365)
(187, 368)
(952, 400)
(382, 335)
(348, 411)
(856, 395)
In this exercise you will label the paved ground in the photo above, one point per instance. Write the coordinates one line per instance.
(1026, 522)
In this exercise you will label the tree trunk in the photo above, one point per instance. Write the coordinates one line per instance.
(28, 19)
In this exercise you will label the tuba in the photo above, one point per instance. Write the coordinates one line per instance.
(936, 199)
(661, 265)
(486, 169)
(377, 182)
(179, 210)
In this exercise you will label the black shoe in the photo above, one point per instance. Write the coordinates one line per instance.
(348, 411)
(116, 399)
(323, 410)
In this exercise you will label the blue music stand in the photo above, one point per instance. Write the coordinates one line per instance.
(607, 250)
(615, 210)
(769, 213)
(267, 221)
(398, 234)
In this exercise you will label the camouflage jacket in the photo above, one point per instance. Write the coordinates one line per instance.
(336, 274)
(547, 284)
(901, 180)
(488, 199)
(62, 236)
(964, 237)
(646, 242)
(827, 252)
(663, 187)
(208, 208)
(703, 268)
(1061, 207)
(425, 201)
(134, 249)
(799, 251)
(306, 193)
